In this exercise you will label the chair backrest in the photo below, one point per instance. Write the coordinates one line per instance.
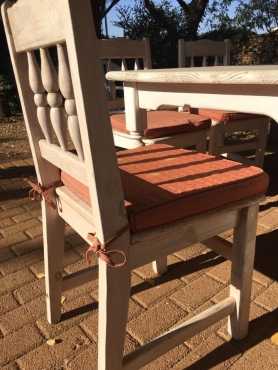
(217, 51)
(55, 58)
(122, 54)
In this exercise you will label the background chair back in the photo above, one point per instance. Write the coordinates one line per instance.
(61, 88)
(122, 54)
(217, 51)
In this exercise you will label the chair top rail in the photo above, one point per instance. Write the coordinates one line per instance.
(45, 26)
(201, 48)
(121, 48)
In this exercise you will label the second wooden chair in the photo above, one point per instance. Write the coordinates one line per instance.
(207, 52)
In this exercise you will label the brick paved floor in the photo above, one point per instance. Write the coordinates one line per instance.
(196, 279)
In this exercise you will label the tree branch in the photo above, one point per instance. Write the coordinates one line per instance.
(113, 3)
(183, 5)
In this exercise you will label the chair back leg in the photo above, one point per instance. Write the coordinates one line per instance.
(262, 142)
(242, 270)
(53, 240)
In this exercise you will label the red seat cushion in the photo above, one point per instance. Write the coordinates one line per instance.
(223, 116)
(164, 123)
(163, 184)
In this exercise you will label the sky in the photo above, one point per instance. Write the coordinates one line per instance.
(116, 31)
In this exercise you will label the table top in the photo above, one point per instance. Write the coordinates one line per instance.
(231, 75)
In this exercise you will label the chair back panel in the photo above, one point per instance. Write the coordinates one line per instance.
(36, 31)
(219, 51)
(61, 87)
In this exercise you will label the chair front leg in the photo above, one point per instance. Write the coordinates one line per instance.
(114, 292)
(242, 270)
(53, 241)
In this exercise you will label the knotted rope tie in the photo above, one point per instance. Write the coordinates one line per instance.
(101, 249)
(39, 192)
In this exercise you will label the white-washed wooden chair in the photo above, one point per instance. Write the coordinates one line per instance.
(84, 188)
(154, 127)
(224, 124)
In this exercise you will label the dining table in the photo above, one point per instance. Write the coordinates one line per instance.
(245, 88)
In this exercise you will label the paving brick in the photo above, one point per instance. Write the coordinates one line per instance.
(221, 272)
(46, 357)
(6, 222)
(137, 285)
(18, 263)
(263, 356)
(81, 290)
(86, 360)
(269, 298)
(69, 258)
(34, 232)
(200, 264)
(22, 315)
(155, 321)
(31, 206)
(10, 212)
(28, 246)
(76, 241)
(30, 291)
(20, 227)
(13, 204)
(256, 312)
(74, 312)
(160, 290)
(146, 272)
(168, 360)
(270, 219)
(134, 310)
(80, 265)
(5, 254)
(90, 324)
(11, 366)
(224, 293)
(7, 303)
(16, 344)
(261, 278)
(191, 251)
(15, 280)
(12, 239)
(213, 353)
(194, 294)
(22, 217)
(204, 335)
(130, 344)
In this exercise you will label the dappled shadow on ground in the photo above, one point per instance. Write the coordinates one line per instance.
(16, 172)
(260, 329)
(267, 254)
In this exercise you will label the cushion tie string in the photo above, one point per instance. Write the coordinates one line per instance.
(101, 249)
(39, 192)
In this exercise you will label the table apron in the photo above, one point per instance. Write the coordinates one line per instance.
(259, 104)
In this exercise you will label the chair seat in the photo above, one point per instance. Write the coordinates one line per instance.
(223, 116)
(163, 184)
(165, 123)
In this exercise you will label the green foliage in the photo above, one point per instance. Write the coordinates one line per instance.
(164, 27)
(251, 15)
(258, 15)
